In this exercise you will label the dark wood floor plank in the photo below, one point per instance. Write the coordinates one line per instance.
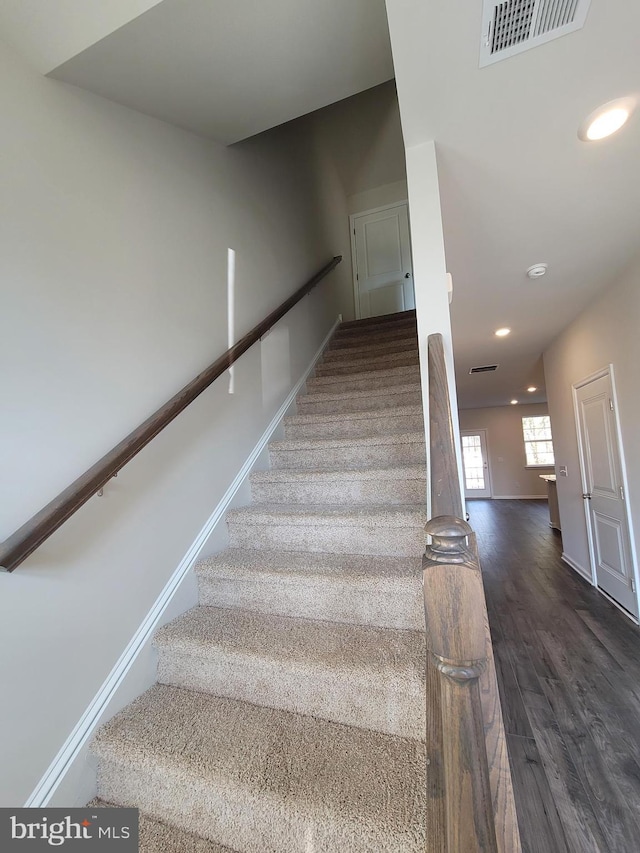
(541, 828)
(568, 665)
(582, 828)
(516, 721)
(616, 818)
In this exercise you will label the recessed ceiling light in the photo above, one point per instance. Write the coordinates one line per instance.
(514, 402)
(537, 270)
(531, 389)
(606, 120)
(501, 333)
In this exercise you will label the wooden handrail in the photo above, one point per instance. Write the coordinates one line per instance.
(445, 485)
(470, 792)
(456, 643)
(34, 532)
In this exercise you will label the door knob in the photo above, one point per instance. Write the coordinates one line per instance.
(587, 497)
(407, 275)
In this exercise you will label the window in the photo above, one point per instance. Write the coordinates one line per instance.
(538, 445)
(473, 462)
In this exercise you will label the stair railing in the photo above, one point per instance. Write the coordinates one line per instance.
(34, 532)
(470, 791)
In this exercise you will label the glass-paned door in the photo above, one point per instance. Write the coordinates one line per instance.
(477, 481)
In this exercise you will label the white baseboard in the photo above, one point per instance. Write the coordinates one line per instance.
(46, 787)
(577, 567)
(519, 497)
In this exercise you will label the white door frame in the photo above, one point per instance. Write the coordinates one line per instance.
(488, 480)
(599, 374)
(354, 265)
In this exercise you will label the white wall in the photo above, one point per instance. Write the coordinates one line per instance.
(605, 333)
(510, 478)
(114, 230)
(429, 271)
(361, 165)
(381, 196)
(410, 31)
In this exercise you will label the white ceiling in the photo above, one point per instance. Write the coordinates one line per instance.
(517, 185)
(232, 68)
(48, 33)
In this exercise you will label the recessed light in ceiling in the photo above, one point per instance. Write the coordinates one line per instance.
(606, 120)
(501, 333)
(531, 389)
(537, 270)
(514, 402)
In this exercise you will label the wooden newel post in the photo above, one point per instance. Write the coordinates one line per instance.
(456, 642)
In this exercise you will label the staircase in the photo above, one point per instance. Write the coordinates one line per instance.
(289, 715)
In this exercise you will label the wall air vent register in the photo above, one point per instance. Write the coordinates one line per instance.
(517, 25)
(487, 368)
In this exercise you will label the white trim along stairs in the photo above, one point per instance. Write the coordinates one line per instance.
(288, 716)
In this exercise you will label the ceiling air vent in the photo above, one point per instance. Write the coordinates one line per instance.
(516, 25)
(487, 368)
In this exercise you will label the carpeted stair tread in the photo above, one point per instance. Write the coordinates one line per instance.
(352, 674)
(331, 516)
(158, 837)
(286, 475)
(370, 348)
(332, 643)
(347, 343)
(380, 591)
(377, 330)
(364, 362)
(341, 486)
(234, 561)
(337, 396)
(408, 411)
(262, 779)
(321, 444)
(366, 379)
(396, 317)
(393, 530)
(375, 451)
(370, 399)
(350, 425)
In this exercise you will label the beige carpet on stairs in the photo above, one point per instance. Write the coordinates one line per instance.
(288, 716)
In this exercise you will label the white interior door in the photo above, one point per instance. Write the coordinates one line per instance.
(382, 262)
(475, 463)
(604, 497)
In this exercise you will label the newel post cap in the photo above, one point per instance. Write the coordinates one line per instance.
(448, 539)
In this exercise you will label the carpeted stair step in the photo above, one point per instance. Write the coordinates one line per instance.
(360, 365)
(351, 674)
(375, 451)
(356, 344)
(355, 424)
(384, 592)
(377, 328)
(260, 780)
(365, 380)
(381, 319)
(369, 346)
(158, 837)
(388, 531)
(370, 349)
(339, 487)
(330, 402)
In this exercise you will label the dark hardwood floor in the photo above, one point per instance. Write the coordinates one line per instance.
(568, 666)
